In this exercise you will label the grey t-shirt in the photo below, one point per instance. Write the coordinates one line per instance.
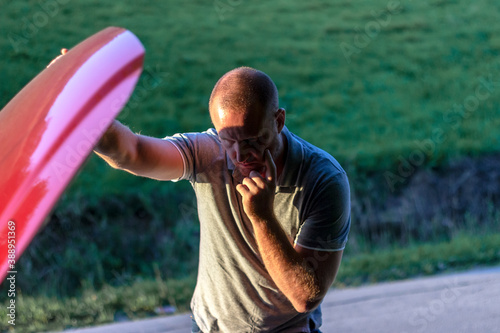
(234, 291)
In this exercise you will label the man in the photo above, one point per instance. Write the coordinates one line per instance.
(274, 210)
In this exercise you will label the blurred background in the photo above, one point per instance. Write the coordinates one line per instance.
(405, 94)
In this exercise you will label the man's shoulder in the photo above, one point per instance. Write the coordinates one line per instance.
(196, 140)
(209, 133)
(317, 162)
(202, 152)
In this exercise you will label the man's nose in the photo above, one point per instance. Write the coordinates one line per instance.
(242, 152)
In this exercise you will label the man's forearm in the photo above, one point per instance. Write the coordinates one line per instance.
(117, 145)
(287, 268)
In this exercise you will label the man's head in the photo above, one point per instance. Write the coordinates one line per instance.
(244, 110)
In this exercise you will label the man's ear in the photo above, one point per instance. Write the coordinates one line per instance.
(280, 119)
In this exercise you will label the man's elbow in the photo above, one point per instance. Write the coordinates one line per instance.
(119, 147)
(306, 306)
(116, 161)
(310, 302)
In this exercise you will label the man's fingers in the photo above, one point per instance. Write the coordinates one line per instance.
(63, 52)
(270, 166)
(257, 179)
(253, 174)
(250, 184)
(242, 189)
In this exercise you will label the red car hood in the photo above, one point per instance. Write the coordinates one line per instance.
(50, 127)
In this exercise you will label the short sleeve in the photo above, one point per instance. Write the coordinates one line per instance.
(198, 151)
(327, 218)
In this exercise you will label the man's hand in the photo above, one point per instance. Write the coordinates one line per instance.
(63, 52)
(258, 191)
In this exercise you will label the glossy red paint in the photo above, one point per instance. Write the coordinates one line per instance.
(50, 127)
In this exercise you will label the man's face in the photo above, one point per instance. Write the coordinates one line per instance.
(246, 136)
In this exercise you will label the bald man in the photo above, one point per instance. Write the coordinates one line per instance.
(274, 210)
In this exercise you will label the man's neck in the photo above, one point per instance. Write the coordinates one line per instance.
(282, 152)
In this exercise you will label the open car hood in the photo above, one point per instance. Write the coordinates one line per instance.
(49, 128)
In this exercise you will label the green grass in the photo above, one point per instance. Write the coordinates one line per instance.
(462, 252)
(366, 112)
(141, 298)
(370, 110)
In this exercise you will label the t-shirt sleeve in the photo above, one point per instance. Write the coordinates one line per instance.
(198, 151)
(327, 216)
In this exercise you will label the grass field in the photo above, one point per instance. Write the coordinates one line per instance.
(365, 91)
(142, 298)
(379, 84)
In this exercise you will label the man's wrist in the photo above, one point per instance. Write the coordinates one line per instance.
(264, 219)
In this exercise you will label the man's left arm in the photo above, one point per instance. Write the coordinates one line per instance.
(303, 275)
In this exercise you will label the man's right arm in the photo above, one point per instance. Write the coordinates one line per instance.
(140, 155)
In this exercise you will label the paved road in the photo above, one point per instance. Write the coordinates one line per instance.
(464, 302)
